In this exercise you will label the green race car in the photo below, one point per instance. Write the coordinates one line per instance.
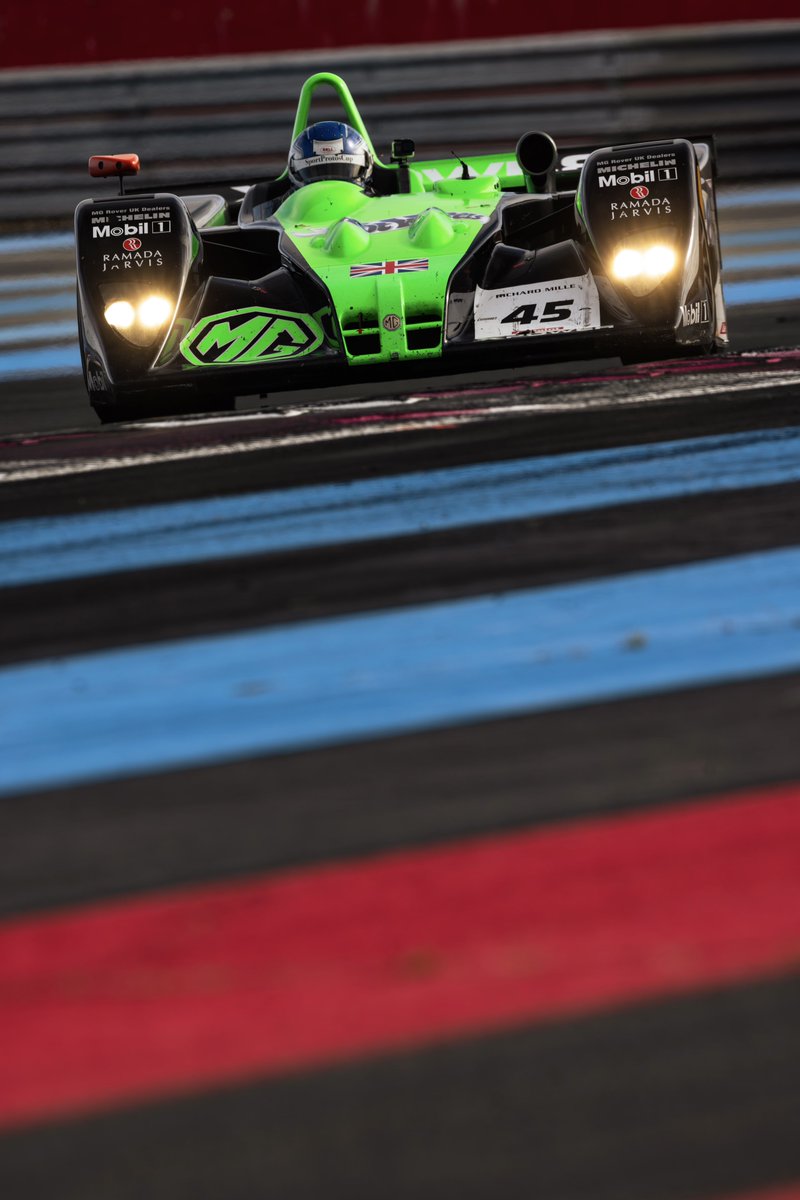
(348, 268)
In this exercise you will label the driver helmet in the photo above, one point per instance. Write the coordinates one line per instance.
(329, 150)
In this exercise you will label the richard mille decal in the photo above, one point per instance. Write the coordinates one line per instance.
(556, 306)
(250, 335)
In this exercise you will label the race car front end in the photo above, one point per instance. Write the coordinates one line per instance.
(185, 303)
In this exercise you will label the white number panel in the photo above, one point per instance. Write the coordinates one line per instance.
(555, 306)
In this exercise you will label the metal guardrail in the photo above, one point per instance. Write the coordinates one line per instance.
(220, 118)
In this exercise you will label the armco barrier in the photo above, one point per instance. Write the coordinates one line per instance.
(231, 117)
(51, 32)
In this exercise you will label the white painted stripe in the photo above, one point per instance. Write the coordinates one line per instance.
(640, 394)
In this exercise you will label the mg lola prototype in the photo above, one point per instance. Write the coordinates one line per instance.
(347, 268)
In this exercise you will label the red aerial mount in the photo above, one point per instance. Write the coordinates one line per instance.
(103, 166)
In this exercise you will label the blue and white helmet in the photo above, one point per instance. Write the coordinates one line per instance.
(329, 150)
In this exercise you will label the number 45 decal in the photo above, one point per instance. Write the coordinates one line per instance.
(528, 314)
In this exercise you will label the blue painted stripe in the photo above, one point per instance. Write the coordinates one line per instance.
(39, 283)
(319, 683)
(761, 237)
(761, 291)
(24, 305)
(752, 262)
(18, 363)
(758, 197)
(18, 335)
(30, 243)
(46, 549)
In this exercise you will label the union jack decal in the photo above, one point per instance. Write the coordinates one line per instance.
(393, 267)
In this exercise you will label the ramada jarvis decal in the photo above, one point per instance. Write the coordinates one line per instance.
(250, 335)
(640, 206)
(556, 306)
(392, 267)
(132, 260)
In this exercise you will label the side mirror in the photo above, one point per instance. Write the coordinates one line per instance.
(403, 149)
(102, 166)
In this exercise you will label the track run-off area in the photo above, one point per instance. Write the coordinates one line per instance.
(400, 787)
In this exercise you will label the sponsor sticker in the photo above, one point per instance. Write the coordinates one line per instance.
(250, 335)
(640, 193)
(392, 267)
(316, 160)
(695, 314)
(555, 306)
(95, 380)
(391, 224)
(626, 172)
(132, 260)
(334, 147)
(648, 206)
(125, 221)
(131, 244)
(508, 166)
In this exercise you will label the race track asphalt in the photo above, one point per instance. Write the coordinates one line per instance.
(649, 1050)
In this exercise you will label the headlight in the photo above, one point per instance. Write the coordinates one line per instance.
(140, 321)
(120, 314)
(643, 266)
(154, 311)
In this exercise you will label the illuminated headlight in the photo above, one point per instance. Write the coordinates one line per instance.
(643, 267)
(120, 314)
(141, 321)
(658, 261)
(154, 311)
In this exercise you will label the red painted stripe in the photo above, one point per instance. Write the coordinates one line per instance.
(173, 991)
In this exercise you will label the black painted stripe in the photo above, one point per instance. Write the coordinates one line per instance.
(668, 1101)
(75, 616)
(102, 839)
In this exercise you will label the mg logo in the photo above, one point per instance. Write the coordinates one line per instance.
(250, 335)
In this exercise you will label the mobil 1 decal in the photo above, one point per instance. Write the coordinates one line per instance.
(250, 335)
(128, 221)
(556, 306)
(633, 172)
